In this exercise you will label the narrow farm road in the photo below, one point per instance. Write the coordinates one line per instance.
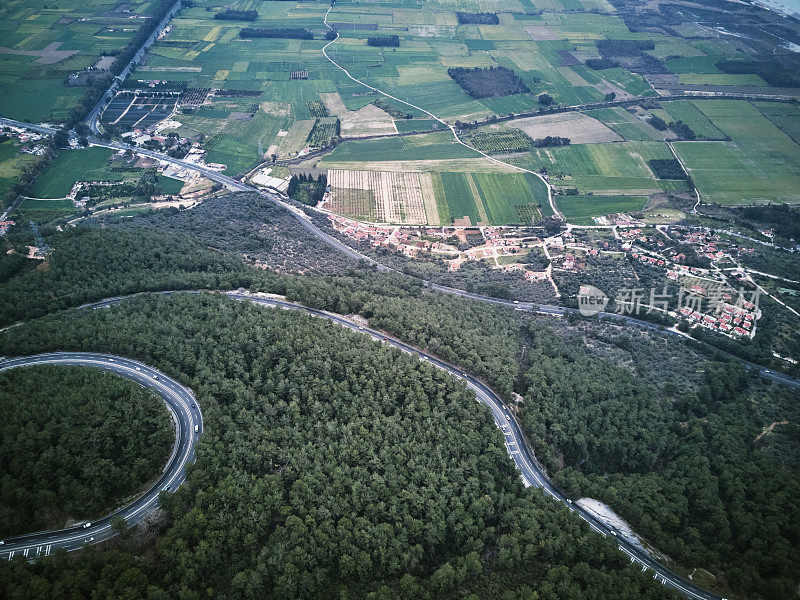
(451, 127)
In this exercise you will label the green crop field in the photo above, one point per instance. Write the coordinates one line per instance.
(608, 169)
(48, 42)
(683, 110)
(758, 165)
(784, 116)
(505, 196)
(580, 209)
(12, 162)
(629, 126)
(39, 204)
(459, 198)
(71, 166)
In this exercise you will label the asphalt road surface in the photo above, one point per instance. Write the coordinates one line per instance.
(532, 474)
(186, 417)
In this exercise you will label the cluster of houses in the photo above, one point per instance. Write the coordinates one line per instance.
(497, 243)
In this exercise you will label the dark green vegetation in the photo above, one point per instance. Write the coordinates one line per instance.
(304, 188)
(667, 168)
(323, 132)
(774, 72)
(481, 18)
(598, 64)
(489, 82)
(390, 41)
(237, 15)
(330, 467)
(682, 130)
(296, 33)
(89, 264)
(74, 442)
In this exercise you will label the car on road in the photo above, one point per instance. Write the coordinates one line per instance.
(155, 377)
(87, 525)
(111, 360)
(196, 428)
(2, 542)
(138, 368)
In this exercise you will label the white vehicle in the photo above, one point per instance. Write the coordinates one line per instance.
(2, 542)
(155, 377)
(138, 368)
(516, 301)
(196, 428)
(87, 525)
(111, 360)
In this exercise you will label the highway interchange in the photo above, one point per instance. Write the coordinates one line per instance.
(188, 422)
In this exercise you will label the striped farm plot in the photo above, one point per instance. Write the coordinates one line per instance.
(381, 196)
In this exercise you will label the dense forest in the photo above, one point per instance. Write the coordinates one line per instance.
(296, 33)
(90, 264)
(673, 451)
(237, 15)
(488, 82)
(391, 41)
(331, 467)
(481, 18)
(74, 442)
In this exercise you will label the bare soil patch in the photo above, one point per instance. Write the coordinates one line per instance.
(369, 120)
(47, 56)
(579, 128)
(542, 33)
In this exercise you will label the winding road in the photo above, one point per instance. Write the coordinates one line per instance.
(182, 405)
(188, 422)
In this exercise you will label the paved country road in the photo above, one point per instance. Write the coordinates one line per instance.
(519, 451)
(188, 426)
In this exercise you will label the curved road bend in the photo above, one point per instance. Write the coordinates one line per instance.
(186, 416)
(181, 403)
(532, 474)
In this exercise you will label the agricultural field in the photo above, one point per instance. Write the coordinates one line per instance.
(492, 198)
(434, 198)
(383, 196)
(604, 169)
(70, 166)
(683, 110)
(786, 117)
(757, 165)
(629, 124)
(323, 131)
(501, 142)
(128, 111)
(42, 44)
(89, 164)
(580, 128)
(580, 209)
(12, 163)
